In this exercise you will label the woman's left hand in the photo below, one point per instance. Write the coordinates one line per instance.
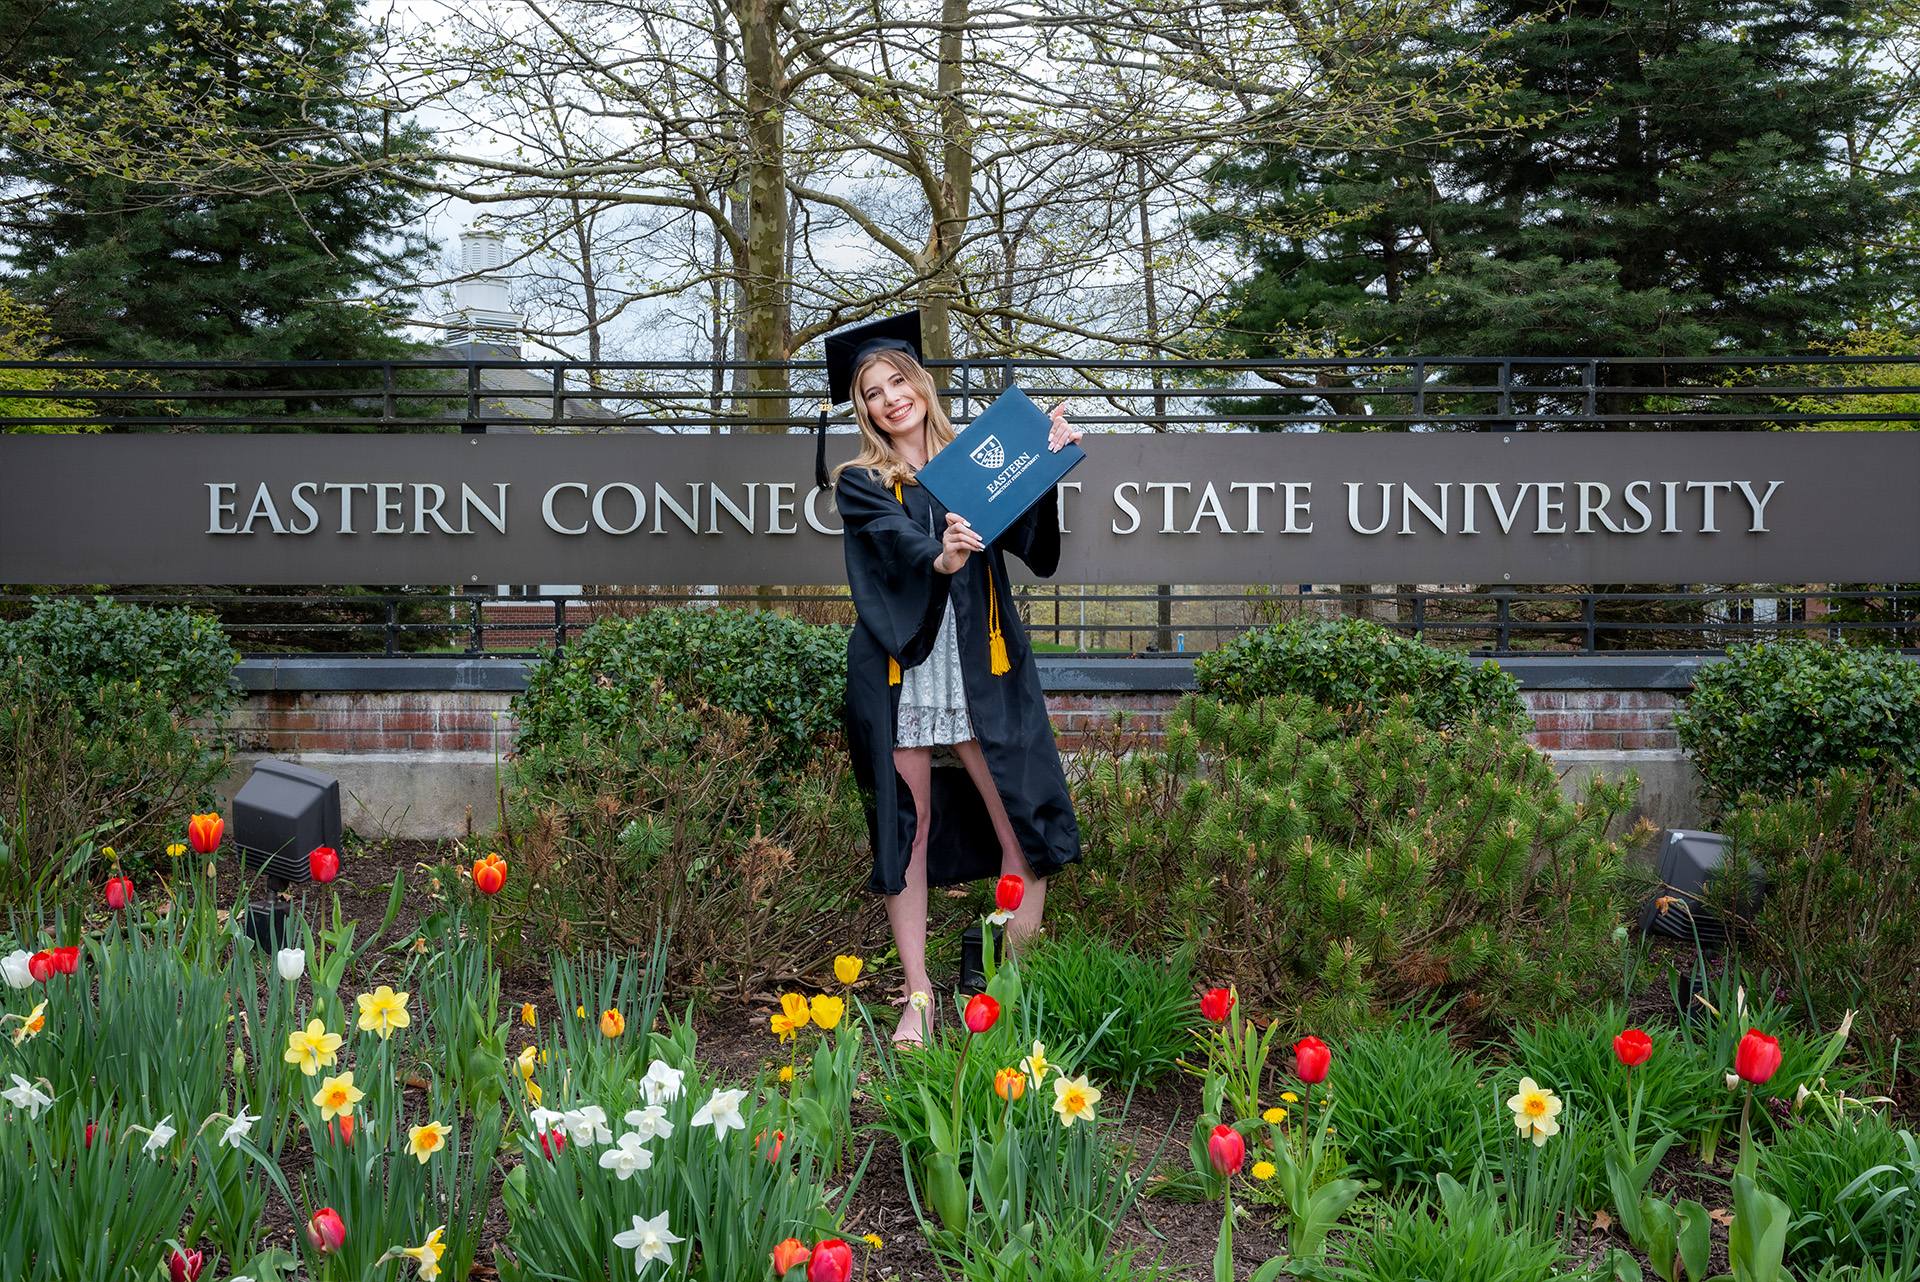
(1062, 432)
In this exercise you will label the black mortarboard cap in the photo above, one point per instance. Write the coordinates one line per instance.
(845, 351)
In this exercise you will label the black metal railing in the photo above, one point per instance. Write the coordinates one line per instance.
(1089, 619)
(1413, 393)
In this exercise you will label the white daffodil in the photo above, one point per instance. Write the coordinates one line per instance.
(661, 1085)
(238, 1129)
(722, 1112)
(291, 962)
(649, 1240)
(15, 970)
(1035, 1066)
(626, 1157)
(587, 1125)
(545, 1119)
(24, 1094)
(159, 1137)
(920, 1001)
(649, 1123)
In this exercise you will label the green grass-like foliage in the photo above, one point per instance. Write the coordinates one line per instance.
(1852, 1184)
(788, 675)
(1408, 1106)
(1842, 913)
(1356, 664)
(1332, 869)
(1779, 714)
(1084, 979)
(1465, 1239)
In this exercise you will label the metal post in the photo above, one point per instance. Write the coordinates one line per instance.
(1419, 615)
(386, 400)
(1586, 618)
(560, 623)
(559, 394)
(393, 623)
(1505, 619)
(1420, 388)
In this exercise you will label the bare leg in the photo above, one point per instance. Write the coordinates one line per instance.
(907, 911)
(1012, 859)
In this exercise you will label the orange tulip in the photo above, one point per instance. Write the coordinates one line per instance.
(1010, 1084)
(789, 1255)
(612, 1023)
(489, 874)
(204, 832)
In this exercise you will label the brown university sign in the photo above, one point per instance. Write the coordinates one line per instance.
(1522, 508)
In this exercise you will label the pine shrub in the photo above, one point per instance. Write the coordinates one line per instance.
(1331, 867)
(1359, 665)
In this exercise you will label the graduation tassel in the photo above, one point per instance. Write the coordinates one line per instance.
(893, 671)
(997, 661)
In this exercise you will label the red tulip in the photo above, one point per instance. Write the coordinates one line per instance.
(104, 1137)
(489, 874)
(1226, 1150)
(1311, 1060)
(831, 1261)
(788, 1255)
(41, 966)
(981, 1013)
(119, 891)
(1757, 1058)
(1008, 894)
(327, 1231)
(184, 1266)
(1216, 1004)
(66, 960)
(341, 1129)
(1633, 1048)
(552, 1142)
(324, 863)
(779, 1138)
(204, 832)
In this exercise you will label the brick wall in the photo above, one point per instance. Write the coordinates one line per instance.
(461, 720)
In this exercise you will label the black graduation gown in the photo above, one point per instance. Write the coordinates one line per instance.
(901, 600)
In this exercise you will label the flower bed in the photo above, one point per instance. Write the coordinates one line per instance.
(379, 1099)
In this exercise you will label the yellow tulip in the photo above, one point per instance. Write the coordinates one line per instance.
(795, 1008)
(827, 1011)
(528, 1015)
(847, 969)
(781, 1025)
(525, 1063)
(175, 850)
(383, 1010)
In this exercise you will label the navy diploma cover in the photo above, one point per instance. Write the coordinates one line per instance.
(999, 466)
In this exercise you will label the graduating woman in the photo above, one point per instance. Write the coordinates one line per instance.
(951, 742)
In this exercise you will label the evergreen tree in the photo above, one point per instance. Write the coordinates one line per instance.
(132, 271)
(1684, 184)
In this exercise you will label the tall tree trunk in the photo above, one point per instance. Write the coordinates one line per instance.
(956, 187)
(1164, 606)
(763, 287)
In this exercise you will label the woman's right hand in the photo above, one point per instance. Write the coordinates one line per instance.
(959, 543)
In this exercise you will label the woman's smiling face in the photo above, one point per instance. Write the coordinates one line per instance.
(892, 403)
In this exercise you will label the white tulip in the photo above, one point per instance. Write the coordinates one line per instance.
(14, 968)
(292, 963)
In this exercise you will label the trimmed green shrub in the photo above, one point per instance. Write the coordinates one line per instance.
(787, 675)
(1352, 663)
(1332, 868)
(1779, 714)
(1080, 979)
(109, 735)
(1841, 917)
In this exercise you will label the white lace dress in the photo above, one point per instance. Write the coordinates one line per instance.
(933, 696)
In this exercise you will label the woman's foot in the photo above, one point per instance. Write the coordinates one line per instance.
(915, 1020)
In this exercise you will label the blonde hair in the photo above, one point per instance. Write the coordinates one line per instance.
(876, 447)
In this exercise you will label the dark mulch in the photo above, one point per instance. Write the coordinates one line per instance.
(734, 1040)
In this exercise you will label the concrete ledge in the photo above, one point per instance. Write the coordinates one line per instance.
(1669, 785)
(1605, 671)
(397, 794)
(326, 672)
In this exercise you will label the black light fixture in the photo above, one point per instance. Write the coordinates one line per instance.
(280, 816)
(1686, 862)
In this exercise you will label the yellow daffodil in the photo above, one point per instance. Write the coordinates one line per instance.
(872, 1239)
(313, 1048)
(1262, 1170)
(424, 1141)
(1534, 1110)
(1074, 1099)
(794, 1006)
(383, 1010)
(525, 1063)
(826, 1011)
(786, 1072)
(528, 1015)
(1274, 1116)
(847, 969)
(337, 1096)
(30, 1025)
(782, 1026)
(427, 1255)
